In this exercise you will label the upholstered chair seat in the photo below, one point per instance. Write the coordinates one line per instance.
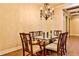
(34, 41)
(52, 46)
(36, 48)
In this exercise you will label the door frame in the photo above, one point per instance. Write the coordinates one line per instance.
(68, 17)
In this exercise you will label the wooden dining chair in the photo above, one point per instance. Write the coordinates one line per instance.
(39, 33)
(57, 32)
(59, 47)
(65, 48)
(28, 46)
(36, 33)
(50, 33)
(56, 42)
(33, 34)
(64, 42)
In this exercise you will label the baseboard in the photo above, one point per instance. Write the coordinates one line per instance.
(10, 50)
(74, 34)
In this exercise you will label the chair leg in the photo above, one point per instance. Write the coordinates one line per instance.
(65, 48)
(61, 52)
(23, 53)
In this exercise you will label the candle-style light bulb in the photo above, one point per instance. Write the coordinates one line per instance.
(51, 10)
(48, 7)
(41, 8)
(45, 12)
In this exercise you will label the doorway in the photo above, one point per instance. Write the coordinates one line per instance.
(66, 22)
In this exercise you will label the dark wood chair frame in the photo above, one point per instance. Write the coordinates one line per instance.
(57, 32)
(61, 45)
(26, 39)
(35, 33)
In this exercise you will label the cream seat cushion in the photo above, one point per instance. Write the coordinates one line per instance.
(35, 48)
(34, 41)
(52, 46)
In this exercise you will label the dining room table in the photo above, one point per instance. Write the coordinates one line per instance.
(43, 41)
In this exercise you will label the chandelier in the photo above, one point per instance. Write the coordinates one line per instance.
(46, 12)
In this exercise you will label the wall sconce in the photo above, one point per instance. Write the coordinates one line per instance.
(46, 12)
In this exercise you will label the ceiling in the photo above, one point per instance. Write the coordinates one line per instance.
(74, 11)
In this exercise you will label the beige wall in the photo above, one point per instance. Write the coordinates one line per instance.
(74, 26)
(47, 25)
(16, 18)
(59, 18)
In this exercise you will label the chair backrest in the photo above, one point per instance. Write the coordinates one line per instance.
(32, 35)
(43, 34)
(62, 40)
(59, 41)
(26, 42)
(46, 34)
(49, 34)
(65, 38)
(39, 33)
(57, 32)
(36, 33)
